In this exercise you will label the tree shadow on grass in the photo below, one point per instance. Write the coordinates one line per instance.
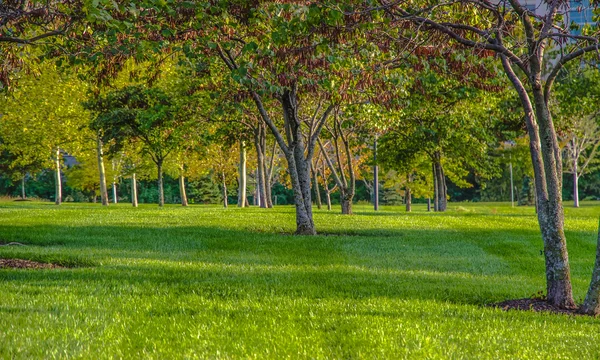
(467, 266)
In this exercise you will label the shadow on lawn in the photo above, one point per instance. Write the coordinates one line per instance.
(467, 266)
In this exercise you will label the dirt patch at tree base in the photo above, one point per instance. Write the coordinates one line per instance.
(26, 264)
(536, 305)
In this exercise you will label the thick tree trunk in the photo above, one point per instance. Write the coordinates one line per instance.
(546, 161)
(242, 201)
(57, 178)
(408, 200)
(161, 190)
(225, 200)
(346, 200)
(551, 212)
(23, 197)
(101, 171)
(591, 304)
(300, 177)
(134, 199)
(298, 166)
(317, 191)
(114, 191)
(182, 193)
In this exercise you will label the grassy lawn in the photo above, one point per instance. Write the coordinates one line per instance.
(206, 282)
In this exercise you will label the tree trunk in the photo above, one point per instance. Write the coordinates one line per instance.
(298, 166)
(346, 200)
(440, 201)
(435, 187)
(242, 201)
(317, 192)
(57, 178)
(225, 200)
(182, 193)
(102, 172)
(269, 177)
(591, 305)
(114, 190)
(575, 184)
(428, 204)
(551, 212)
(23, 197)
(328, 201)
(161, 190)
(546, 161)
(259, 142)
(443, 190)
(134, 200)
(408, 199)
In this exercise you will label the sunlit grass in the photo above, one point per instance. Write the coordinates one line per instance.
(207, 282)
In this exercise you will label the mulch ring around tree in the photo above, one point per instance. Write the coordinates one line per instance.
(26, 264)
(536, 305)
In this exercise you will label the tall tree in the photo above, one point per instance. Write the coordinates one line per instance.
(520, 37)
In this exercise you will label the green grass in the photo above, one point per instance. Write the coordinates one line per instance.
(205, 282)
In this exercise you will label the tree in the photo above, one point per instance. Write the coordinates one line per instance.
(445, 119)
(19, 164)
(577, 94)
(44, 117)
(343, 130)
(146, 115)
(520, 38)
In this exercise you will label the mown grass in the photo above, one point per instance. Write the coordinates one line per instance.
(205, 282)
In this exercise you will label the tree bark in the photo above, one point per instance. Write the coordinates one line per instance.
(114, 191)
(443, 200)
(408, 199)
(328, 201)
(182, 193)
(591, 304)
(225, 200)
(545, 158)
(242, 176)
(316, 187)
(23, 197)
(259, 135)
(575, 184)
(161, 190)
(435, 186)
(428, 204)
(102, 172)
(298, 165)
(269, 177)
(134, 199)
(346, 200)
(57, 178)
(440, 197)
